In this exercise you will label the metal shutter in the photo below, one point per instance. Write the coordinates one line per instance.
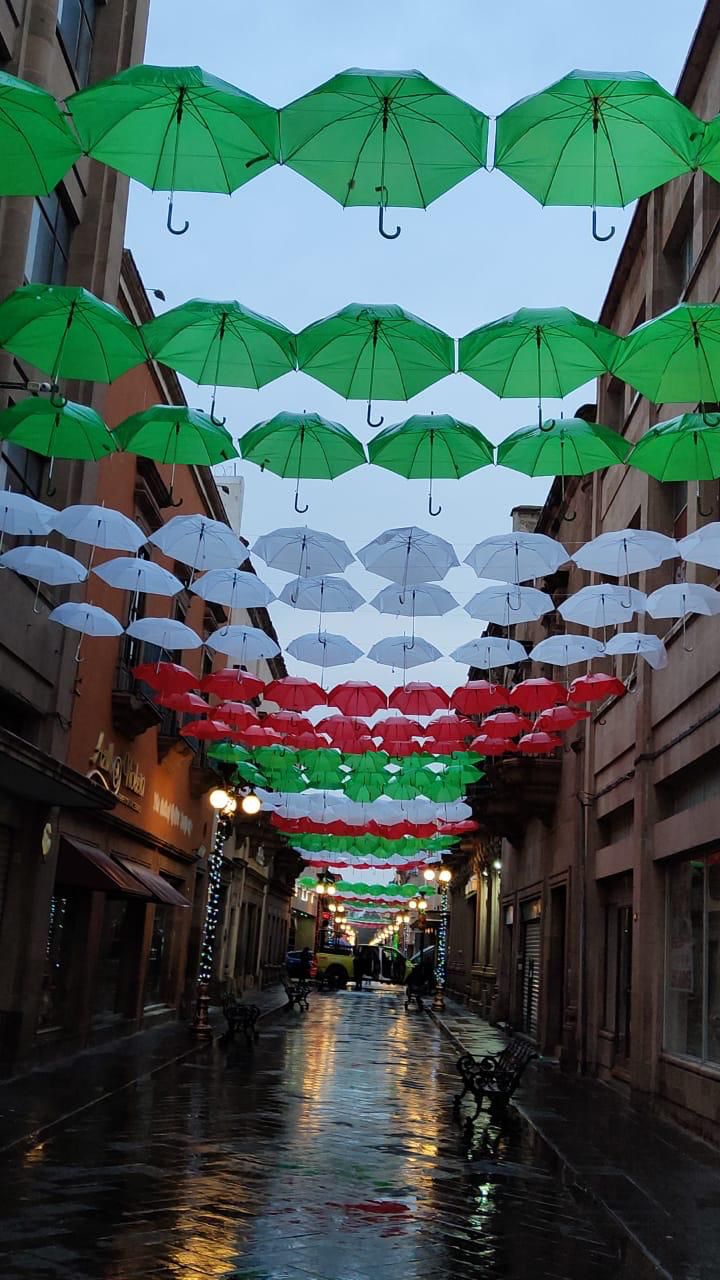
(531, 978)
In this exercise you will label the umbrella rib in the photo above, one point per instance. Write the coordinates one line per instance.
(358, 158)
(165, 136)
(410, 109)
(393, 353)
(396, 121)
(14, 125)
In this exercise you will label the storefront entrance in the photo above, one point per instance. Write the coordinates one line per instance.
(530, 971)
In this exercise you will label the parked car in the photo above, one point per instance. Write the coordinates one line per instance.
(293, 964)
(383, 964)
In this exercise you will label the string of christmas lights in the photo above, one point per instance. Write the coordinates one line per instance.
(442, 936)
(207, 949)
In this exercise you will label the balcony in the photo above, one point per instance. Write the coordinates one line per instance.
(520, 788)
(133, 710)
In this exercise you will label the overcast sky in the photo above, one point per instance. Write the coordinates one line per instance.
(286, 249)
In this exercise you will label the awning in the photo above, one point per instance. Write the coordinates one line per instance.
(160, 890)
(84, 866)
(34, 775)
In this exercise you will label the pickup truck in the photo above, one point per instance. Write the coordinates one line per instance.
(383, 964)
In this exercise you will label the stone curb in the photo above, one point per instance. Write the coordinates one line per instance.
(645, 1257)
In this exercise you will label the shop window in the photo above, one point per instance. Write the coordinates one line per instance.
(21, 470)
(56, 985)
(159, 957)
(692, 1008)
(48, 247)
(76, 28)
(113, 945)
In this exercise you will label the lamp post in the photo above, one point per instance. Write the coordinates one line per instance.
(224, 804)
(443, 876)
(325, 888)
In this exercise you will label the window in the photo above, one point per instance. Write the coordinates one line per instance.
(76, 26)
(692, 959)
(48, 247)
(21, 470)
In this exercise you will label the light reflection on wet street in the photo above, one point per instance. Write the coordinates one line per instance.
(326, 1152)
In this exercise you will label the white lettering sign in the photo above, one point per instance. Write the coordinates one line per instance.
(172, 815)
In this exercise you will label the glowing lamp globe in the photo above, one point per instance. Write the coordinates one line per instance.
(219, 799)
(251, 804)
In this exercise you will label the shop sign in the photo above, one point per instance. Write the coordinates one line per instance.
(117, 772)
(172, 815)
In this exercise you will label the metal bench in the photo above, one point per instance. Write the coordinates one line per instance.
(240, 1017)
(495, 1077)
(297, 992)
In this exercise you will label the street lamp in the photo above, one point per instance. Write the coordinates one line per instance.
(444, 878)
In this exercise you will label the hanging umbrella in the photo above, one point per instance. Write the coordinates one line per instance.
(398, 651)
(397, 729)
(176, 129)
(36, 146)
(426, 447)
(563, 651)
(228, 753)
(357, 698)
(166, 677)
(256, 735)
(380, 138)
(69, 333)
(295, 693)
(99, 527)
(45, 565)
(174, 433)
(537, 694)
(324, 594)
(651, 648)
(423, 600)
(132, 573)
(674, 358)
(166, 633)
(538, 743)
(303, 552)
(205, 730)
(626, 551)
(246, 644)
(558, 719)
(517, 556)
(506, 606)
(235, 588)
(367, 787)
(288, 722)
(702, 546)
(679, 599)
(199, 542)
(595, 687)
(23, 517)
(485, 745)
(505, 724)
(303, 446)
(418, 698)
(597, 139)
(448, 727)
(88, 619)
(478, 697)
(490, 652)
(232, 683)
(324, 650)
(375, 352)
(603, 605)
(537, 352)
(56, 431)
(189, 703)
(323, 758)
(684, 448)
(408, 556)
(562, 447)
(238, 714)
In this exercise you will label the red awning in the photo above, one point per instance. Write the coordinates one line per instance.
(159, 889)
(85, 866)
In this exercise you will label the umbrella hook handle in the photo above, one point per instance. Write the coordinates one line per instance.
(430, 508)
(170, 502)
(699, 507)
(217, 422)
(175, 231)
(547, 426)
(386, 235)
(368, 417)
(300, 510)
(596, 235)
(57, 400)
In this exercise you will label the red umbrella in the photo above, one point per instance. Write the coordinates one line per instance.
(443, 728)
(287, 722)
(295, 693)
(460, 828)
(443, 747)
(505, 724)
(538, 694)
(184, 702)
(232, 683)
(408, 748)
(307, 741)
(256, 735)
(596, 687)
(477, 697)
(357, 698)
(206, 730)
(418, 698)
(487, 746)
(557, 719)
(397, 729)
(166, 677)
(539, 744)
(239, 714)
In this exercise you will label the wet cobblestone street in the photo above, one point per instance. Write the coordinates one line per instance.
(326, 1152)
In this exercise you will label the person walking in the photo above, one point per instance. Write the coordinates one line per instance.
(358, 968)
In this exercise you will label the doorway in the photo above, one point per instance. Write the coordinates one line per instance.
(531, 952)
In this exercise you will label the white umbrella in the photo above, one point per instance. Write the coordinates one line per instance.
(166, 633)
(324, 594)
(408, 556)
(303, 552)
(401, 651)
(680, 598)
(45, 564)
(488, 652)
(516, 557)
(603, 605)
(246, 644)
(423, 600)
(506, 605)
(88, 619)
(23, 517)
(626, 551)
(200, 543)
(99, 527)
(236, 588)
(133, 573)
(702, 546)
(651, 648)
(563, 651)
(324, 650)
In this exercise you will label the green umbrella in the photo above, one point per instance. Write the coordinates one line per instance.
(173, 433)
(302, 445)
(323, 758)
(366, 787)
(367, 351)
(247, 772)
(228, 752)
(379, 138)
(276, 757)
(674, 358)
(685, 448)
(709, 155)
(562, 447)
(537, 352)
(462, 771)
(290, 780)
(595, 138)
(69, 333)
(57, 431)
(221, 344)
(428, 447)
(36, 145)
(367, 762)
(176, 129)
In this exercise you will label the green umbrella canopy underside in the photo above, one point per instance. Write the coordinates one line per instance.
(302, 445)
(221, 344)
(67, 431)
(562, 447)
(431, 446)
(537, 351)
(69, 333)
(172, 434)
(675, 357)
(684, 448)
(36, 146)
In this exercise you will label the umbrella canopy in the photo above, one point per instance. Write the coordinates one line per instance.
(45, 565)
(417, 698)
(221, 344)
(485, 745)
(538, 743)
(205, 730)
(295, 693)
(516, 557)
(24, 517)
(596, 139)
(99, 527)
(132, 573)
(67, 431)
(603, 605)
(595, 687)
(537, 694)
(166, 677)
(399, 651)
(506, 605)
(626, 551)
(326, 594)
(36, 146)
(200, 542)
(684, 448)
(88, 619)
(678, 599)
(562, 447)
(247, 644)
(429, 447)
(674, 357)
(288, 722)
(302, 445)
(651, 648)
(235, 588)
(367, 352)
(303, 552)
(69, 333)
(397, 729)
(408, 556)
(190, 703)
(478, 697)
(357, 698)
(702, 546)
(563, 651)
(166, 633)
(491, 651)
(505, 724)
(232, 683)
(558, 719)
(423, 600)
(324, 650)
(446, 728)
(175, 433)
(176, 129)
